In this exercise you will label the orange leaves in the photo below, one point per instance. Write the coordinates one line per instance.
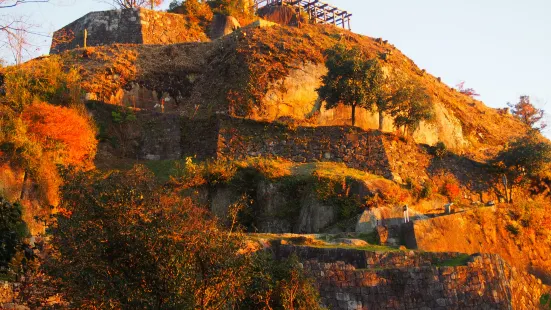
(68, 136)
(452, 191)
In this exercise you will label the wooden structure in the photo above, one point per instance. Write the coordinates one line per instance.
(319, 12)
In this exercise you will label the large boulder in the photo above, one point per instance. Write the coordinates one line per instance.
(223, 25)
(283, 15)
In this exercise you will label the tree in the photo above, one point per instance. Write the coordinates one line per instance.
(350, 80)
(380, 89)
(15, 30)
(198, 12)
(121, 242)
(243, 10)
(12, 230)
(521, 161)
(410, 106)
(132, 4)
(527, 113)
(62, 132)
(467, 91)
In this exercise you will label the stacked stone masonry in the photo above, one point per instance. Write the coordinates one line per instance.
(356, 148)
(128, 26)
(350, 279)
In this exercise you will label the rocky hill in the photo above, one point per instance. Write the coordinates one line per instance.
(239, 116)
(270, 73)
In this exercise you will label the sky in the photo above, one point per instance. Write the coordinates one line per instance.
(501, 48)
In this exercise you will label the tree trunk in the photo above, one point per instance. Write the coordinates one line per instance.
(353, 115)
(24, 186)
(381, 120)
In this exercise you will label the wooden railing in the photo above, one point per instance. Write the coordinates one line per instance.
(318, 12)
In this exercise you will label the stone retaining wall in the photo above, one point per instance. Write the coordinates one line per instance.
(356, 148)
(361, 259)
(127, 26)
(354, 279)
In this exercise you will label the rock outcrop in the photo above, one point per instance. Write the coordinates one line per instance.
(490, 230)
(223, 25)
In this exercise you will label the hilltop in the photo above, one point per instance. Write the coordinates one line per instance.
(276, 71)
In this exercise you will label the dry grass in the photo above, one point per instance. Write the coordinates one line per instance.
(333, 171)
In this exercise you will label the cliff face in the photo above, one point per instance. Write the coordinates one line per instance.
(522, 239)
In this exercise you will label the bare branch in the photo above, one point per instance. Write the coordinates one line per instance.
(13, 3)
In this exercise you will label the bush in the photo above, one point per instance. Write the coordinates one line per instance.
(280, 285)
(440, 150)
(12, 231)
(427, 190)
(451, 190)
(513, 228)
(44, 80)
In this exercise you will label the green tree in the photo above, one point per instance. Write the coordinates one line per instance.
(12, 230)
(280, 284)
(523, 160)
(411, 105)
(243, 10)
(350, 80)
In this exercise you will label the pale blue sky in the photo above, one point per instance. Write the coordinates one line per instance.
(501, 48)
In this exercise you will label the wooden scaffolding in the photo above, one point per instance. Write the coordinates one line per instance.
(318, 12)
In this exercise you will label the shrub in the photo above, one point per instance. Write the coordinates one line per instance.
(137, 247)
(440, 150)
(513, 228)
(12, 230)
(45, 80)
(280, 285)
(451, 190)
(63, 132)
(427, 190)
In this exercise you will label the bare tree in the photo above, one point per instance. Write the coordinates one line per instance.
(131, 4)
(15, 30)
(13, 3)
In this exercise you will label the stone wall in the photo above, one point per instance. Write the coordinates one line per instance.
(356, 148)
(415, 280)
(199, 137)
(128, 26)
(361, 259)
(150, 135)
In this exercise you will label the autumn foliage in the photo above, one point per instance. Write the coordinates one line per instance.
(451, 190)
(62, 131)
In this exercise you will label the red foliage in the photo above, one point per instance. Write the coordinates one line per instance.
(452, 191)
(466, 91)
(62, 131)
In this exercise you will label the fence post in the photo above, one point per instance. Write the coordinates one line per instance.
(85, 37)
